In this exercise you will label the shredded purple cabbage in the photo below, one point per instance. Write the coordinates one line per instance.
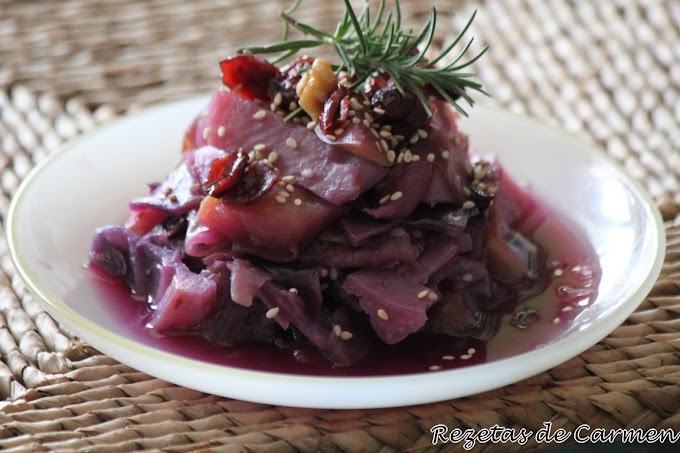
(341, 253)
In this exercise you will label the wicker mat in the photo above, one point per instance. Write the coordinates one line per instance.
(608, 72)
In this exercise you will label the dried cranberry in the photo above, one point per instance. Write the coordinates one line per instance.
(335, 110)
(251, 74)
(405, 108)
(231, 182)
(254, 184)
(226, 173)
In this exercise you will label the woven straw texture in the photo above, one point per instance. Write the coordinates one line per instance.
(609, 72)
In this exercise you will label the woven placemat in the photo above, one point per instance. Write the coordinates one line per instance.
(608, 72)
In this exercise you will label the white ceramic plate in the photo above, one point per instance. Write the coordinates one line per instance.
(89, 183)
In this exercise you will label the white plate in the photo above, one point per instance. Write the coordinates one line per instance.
(89, 183)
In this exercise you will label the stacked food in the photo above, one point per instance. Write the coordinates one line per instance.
(330, 204)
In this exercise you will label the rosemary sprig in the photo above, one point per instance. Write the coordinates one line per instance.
(369, 48)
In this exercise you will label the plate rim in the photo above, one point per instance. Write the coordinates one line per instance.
(71, 318)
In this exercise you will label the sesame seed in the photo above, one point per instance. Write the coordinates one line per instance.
(469, 205)
(422, 133)
(384, 199)
(293, 290)
(366, 123)
(416, 158)
(292, 106)
(346, 335)
(323, 272)
(466, 192)
(260, 147)
(368, 117)
(435, 368)
(297, 202)
(471, 351)
(272, 312)
(272, 107)
(378, 147)
(307, 173)
(376, 135)
(465, 356)
(433, 296)
(337, 330)
(408, 157)
(568, 308)
(448, 357)
(382, 314)
(383, 145)
(400, 158)
(273, 157)
(394, 142)
(172, 197)
(430, 157)
(467, 278)
(339, 131)
(278, 99)
(288, 179)
(220, 131)
(367, 103)
(391, 155)
(311, 125)
(206, 133)
(280, 199)
(291, 143)
(414, 139)
(399, 137)
(423, 294)
(385, 134)
(396, 196)
(379, 111)
(556, 320)
(290, 187)
(355, 104)
(333, 273)
(445, 154)
(259, 115)
(558, 272)
(356, 120)
(330, 138)
(283, 193)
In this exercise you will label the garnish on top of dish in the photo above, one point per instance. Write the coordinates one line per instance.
(332, 204)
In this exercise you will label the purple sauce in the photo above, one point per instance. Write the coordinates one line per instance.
(569, 275)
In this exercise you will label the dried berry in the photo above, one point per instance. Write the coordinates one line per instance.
(233, 182)
(226, 173)
(335, 110)
(403, 108)
(248, 77)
